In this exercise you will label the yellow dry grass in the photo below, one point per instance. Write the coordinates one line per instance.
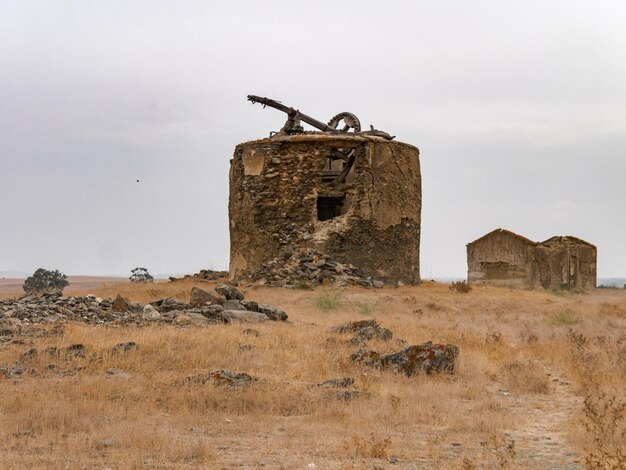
(524, 395)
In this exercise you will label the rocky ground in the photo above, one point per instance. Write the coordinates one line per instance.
(226, 305)
(311, 268)
(179, 375)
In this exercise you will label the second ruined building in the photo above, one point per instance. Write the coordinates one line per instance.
(504, 258)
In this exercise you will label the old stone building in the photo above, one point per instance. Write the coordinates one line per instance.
(351, 199)
(504, 258)
(566, 260)
(501, 258)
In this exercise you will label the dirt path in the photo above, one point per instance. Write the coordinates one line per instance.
(540, 439)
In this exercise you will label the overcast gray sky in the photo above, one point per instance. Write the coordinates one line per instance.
(518, 108)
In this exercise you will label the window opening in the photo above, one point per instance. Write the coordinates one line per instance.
(329, 207)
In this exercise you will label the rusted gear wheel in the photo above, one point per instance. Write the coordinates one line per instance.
(350, 121)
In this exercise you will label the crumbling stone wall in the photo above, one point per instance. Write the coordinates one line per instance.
(280, 188)
(504, 258)
(501, 258)
(566, 261)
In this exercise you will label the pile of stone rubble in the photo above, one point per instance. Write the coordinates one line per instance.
(202, 275)
(310, 269)
(226, 305)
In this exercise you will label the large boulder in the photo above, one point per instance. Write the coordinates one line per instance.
(199, 297)
(230, 292)
(272, 312)
(190, 319)
(169, 304)
(353, 326)
(426, 357)
(364, 330)
(245, 316)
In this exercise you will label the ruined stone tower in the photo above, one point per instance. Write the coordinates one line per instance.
(292, 195)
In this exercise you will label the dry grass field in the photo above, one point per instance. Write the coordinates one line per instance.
(539, 384)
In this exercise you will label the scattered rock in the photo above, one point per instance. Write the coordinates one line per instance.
(203, 275)
(272, 312)
(368, 357)
(364, 330)
(213, 313)
(230, 292)
(344, 382)
(190, 319)
(199, 297)
(105, 444)
(55, 309)
(353, 326)
(76, 350)
(30, 352)
(235, 305)
(348, 395)
(426, 357)
(169, 304)
(150, 313)
(124, 347)
(245, 316)
(118, 373)
(222, 377)
(305, 269)
(371, 332)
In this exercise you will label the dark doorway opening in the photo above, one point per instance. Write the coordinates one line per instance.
(329, 207)
(573, 271)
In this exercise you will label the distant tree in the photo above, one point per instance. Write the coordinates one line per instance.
(140, 275)
(44, 280)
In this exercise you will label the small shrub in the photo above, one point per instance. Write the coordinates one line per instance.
(461, 287)
(140, 275)
(373, 447)
(604, 421)
(44, 280)
(526, 377)
(155, 293)
(565, 290)
(564, 317)
(365, 308)
(327, 300)
(302, 285)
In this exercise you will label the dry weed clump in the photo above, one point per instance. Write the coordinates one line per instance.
(525, 377)
(600, 369)
(461, 287)
(373, 447)
(326, 300)
(564, 317)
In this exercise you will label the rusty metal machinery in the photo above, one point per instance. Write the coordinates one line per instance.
(295, 118)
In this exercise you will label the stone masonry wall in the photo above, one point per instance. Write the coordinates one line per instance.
(273, 207)
(502, 259)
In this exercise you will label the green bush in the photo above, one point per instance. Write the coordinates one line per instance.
(564, 317)
(140, 275)
(327, 299)
(565, 290)
(44, 280)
